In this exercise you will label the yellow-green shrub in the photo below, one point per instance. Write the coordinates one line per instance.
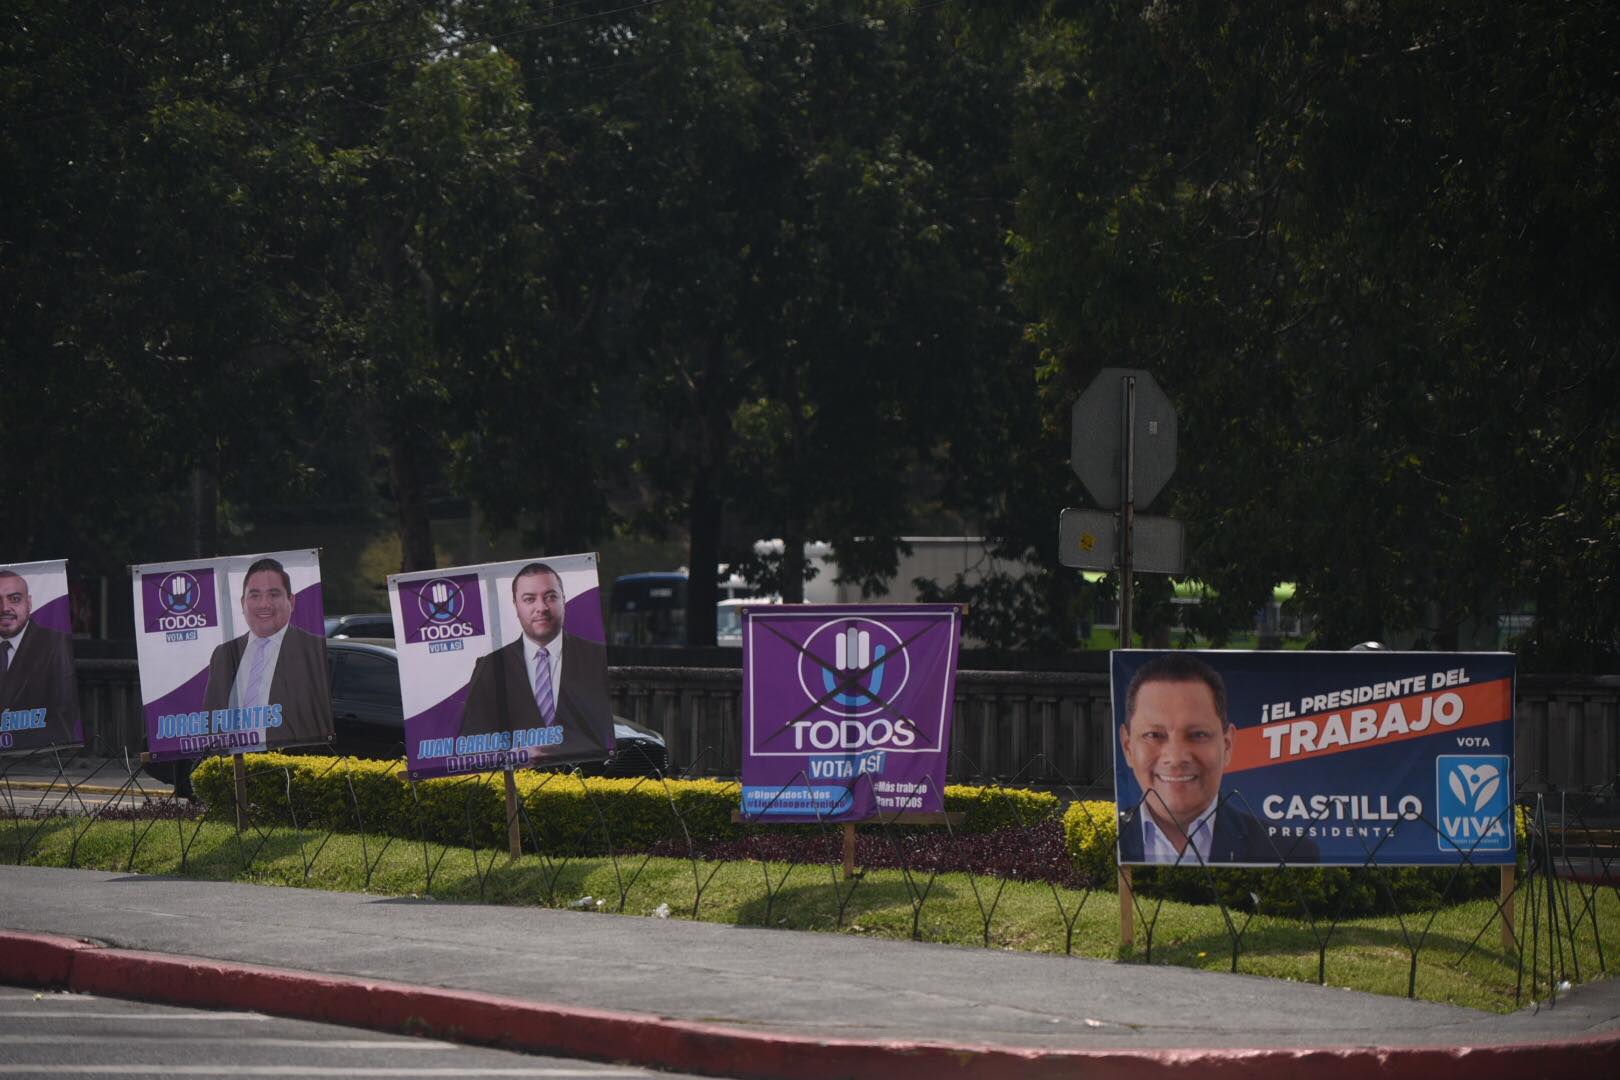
(568, 814)
(992, 808)
(1091, 834)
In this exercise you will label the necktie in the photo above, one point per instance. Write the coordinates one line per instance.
(261, 649)
(5, 657)
(542, 687)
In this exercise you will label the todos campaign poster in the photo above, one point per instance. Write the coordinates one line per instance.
(847, 709)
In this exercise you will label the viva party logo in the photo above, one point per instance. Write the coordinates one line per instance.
(1475, 802)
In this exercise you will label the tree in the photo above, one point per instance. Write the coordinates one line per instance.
(1370, 250)
(783, 223)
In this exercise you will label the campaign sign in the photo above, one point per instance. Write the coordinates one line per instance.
(1347, 758)
(232, 654)
(39, 694)
(847, 709)
(502, 665)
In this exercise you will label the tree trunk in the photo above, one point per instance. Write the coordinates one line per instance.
(703, 556)
(410, 502)
(793, 560)
(204, 512)
(794, 528)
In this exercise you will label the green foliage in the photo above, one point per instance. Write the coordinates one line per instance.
(1368, 249)
(1091, 835)
(992, 808)
(568, 814)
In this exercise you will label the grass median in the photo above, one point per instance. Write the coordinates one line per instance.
(1452, 955)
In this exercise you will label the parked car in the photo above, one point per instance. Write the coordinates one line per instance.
(370, 717)
(371, 624)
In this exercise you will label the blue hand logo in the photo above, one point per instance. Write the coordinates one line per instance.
(855, 653)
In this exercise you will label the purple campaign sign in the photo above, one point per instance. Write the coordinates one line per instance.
(179, 600)
(442, 608)
(847, 709)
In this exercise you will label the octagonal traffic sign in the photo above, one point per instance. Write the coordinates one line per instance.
(1097, 440)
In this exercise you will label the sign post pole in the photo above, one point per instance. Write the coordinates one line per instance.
(1510, 940)
(514, 831)
(1127, 921)
(239, 772)
(1127, 522)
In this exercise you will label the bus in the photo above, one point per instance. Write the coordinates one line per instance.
(650, 608)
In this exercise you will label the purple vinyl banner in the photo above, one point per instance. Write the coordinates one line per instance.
(847, 709)
(39, 694)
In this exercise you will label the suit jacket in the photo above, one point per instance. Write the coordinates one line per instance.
(1238, 837)
(299, 686)
(499, 699)
(40, 675)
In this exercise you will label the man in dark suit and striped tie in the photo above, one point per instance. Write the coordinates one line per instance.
(36, 674)
(546, 679)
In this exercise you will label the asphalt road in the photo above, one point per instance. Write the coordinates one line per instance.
(55, 1036)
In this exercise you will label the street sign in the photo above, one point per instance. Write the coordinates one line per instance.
(1097, 437)
(1158, 545)
(1089, 540)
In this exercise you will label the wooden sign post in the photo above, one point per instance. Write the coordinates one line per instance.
(514, 829)
(239, 773)
(1127, 920)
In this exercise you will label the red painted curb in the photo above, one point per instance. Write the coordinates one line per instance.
(468, 1016)
(39, 959)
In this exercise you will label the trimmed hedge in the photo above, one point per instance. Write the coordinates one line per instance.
(571, 814)
(1091, 835)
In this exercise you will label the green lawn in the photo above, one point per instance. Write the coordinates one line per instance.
(1373, 954)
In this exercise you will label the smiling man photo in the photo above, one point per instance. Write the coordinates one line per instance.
(1177, 741)
(547, 678)
(274, 663)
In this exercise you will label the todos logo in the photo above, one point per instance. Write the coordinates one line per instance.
(853, 669)
(445, 609)
(179, 600)
(1474, 795)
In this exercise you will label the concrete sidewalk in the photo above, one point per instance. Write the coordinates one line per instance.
(742, 1001)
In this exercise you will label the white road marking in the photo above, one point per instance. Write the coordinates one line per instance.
(172, 1040)
(303, 1070)
(44, 1014)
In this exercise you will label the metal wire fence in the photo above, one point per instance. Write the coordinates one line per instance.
(1568, 857)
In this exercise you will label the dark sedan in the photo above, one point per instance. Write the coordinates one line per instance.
(370, 717)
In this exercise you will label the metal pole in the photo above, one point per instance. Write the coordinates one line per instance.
(1127, 517)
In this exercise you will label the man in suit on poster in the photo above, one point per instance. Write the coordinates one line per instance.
(273, 663)
(36, 672)
(547, 678)
(1177, 740)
